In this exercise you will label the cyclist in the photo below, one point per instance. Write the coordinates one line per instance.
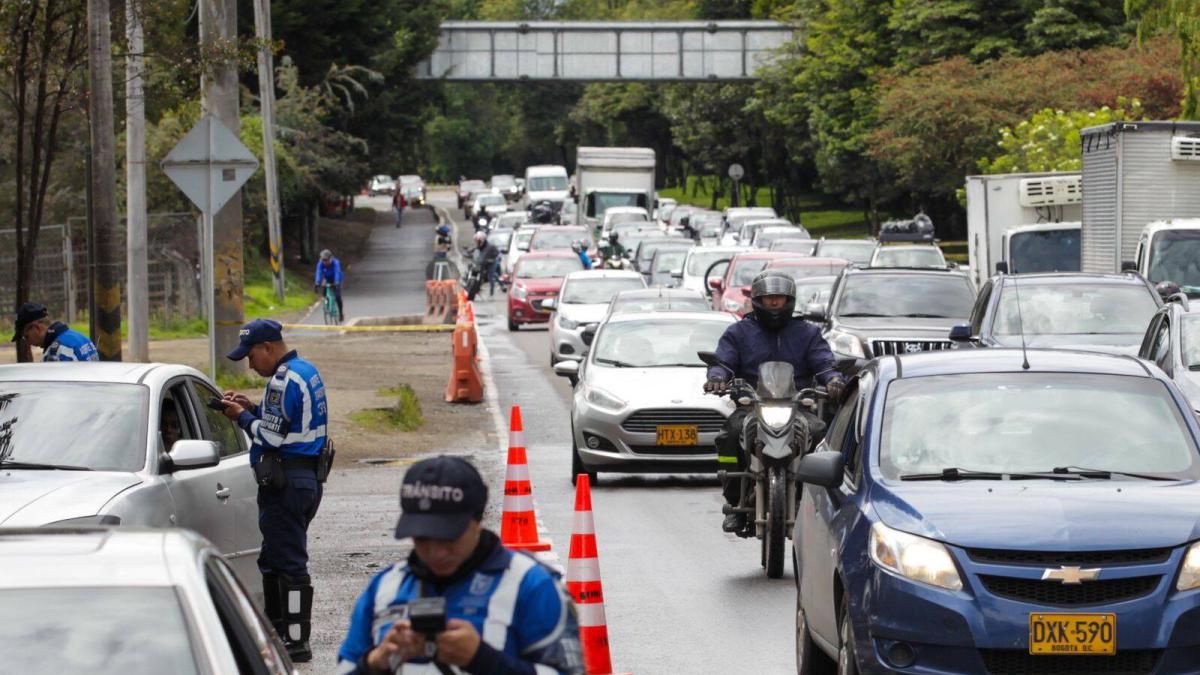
(329, 271)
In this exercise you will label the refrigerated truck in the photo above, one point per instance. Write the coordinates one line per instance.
(609, 177)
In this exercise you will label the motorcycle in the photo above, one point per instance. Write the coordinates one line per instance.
(474, 277)
(616, 263)
(783, 425)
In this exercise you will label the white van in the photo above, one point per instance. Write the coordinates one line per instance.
(546, 181)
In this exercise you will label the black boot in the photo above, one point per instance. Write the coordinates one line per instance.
(297, 619)
(273, 601)
(734, 522)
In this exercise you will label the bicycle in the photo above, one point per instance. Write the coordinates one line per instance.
(332, 316)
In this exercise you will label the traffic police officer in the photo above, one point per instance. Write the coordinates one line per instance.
(57, 340)
(289, 460)
(503, 612)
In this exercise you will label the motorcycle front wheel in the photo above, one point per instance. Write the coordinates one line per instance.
(774, 537)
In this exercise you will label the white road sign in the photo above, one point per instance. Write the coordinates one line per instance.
(736, 171)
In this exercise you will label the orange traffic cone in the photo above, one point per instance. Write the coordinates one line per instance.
(518, 525)
(583, 583)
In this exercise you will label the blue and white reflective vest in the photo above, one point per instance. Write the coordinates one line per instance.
(64, 344)
(522, 613)
(293, 414)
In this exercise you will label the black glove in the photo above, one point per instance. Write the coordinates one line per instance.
(715, 386)
(836, 389)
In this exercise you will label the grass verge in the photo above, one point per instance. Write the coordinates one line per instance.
(246, 380)
(405, 415)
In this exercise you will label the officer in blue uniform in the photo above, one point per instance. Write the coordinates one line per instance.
(503, 611)
(289, 460)
(57, 340)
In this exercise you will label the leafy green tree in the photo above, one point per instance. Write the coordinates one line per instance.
(1181, 18)
(1050, 141)
(1074, 24)
(927, 31)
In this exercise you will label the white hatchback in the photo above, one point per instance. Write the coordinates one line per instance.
(584, 300)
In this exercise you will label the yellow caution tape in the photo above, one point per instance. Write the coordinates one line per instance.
(412, 328)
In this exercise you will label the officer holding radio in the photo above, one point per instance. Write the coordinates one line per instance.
(291, 457)
(462, 603)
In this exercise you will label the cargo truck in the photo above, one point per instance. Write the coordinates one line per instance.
(608, 177)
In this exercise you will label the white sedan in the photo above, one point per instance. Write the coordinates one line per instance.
(584, 300)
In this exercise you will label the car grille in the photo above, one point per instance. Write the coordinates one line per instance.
(1015, 662)
(698, 450)
(1145, 556)
(1058, 594)
(907, 346)
(647, 421)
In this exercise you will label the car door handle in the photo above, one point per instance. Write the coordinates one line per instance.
(223, 492)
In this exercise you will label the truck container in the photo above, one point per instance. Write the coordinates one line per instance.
(608, 177)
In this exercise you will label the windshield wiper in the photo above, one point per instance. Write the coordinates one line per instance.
(12, 464)
(955, 473)
(927, 316)
(867, 314)
(615, 363)
(1103, 473)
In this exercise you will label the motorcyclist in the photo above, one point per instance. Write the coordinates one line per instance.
(768, 333)
(543, 213)
(486, 256)
(1166, 289)
(612, 251)
(580, 251)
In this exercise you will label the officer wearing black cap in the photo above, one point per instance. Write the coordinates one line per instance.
(462, 603)
(291, 457)
(57, 340)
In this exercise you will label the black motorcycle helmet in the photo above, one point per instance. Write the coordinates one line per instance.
(1166, 289)
(773, 282)
(613, 237)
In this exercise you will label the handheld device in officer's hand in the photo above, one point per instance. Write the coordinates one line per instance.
(427, 616)
(216, 403)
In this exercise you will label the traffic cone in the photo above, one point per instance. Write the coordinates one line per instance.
(583, 583)
(518, 525)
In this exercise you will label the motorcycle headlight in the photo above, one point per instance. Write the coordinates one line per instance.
(519, 292)
(845, 343)
(776, 416)
(913, 557)
(86, 521)
(603, 399)
(483, 220)
(1189, 574)
(567, 324)
(731, 305)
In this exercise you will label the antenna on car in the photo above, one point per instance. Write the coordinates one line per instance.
(1021, 322)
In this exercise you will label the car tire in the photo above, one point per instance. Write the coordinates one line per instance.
(513, 326)
(810, 660)
(577, 466)
(847, 663)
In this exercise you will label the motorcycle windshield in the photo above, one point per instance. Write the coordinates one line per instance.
(776, 380)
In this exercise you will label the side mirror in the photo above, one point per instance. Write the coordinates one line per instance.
(589, 333)
(678, 274)
(1129, 266)
(961, 333)
(190, 454)
(567, 369)
(1002, 267)
(814, 311)
(549, 304)
(822, 468)
(716, 283)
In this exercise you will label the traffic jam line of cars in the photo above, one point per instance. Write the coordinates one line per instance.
(1011, 486)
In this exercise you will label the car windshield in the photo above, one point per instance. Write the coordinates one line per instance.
(542, 268)
(503, 181)
(854, 251)
(1047, 251)
(744, 271)
(473, 186)
(678, 303)
(1033, 422)
(513, 219)
(627, 217)
(656, 343)
(546, 183)
(499, 238)
(799, 272)
(599, 202)
(804, 247)
(764, 239)
(909, 257)
(701, 258)
(667, 261)
(521, 239)
(1074, 309)
(647, 249)
(597, 291)
(97, 426)
(1175, 256)
(117, 631)
(708, 228)
(912, 295)
(491, 200)
(813, 289)
(555, 237)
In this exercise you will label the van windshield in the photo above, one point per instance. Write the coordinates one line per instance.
(599, 202)
(546, 183)
(1047, 251)
(1175, 256)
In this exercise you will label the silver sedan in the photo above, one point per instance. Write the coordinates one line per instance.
(126, 444)
(127, 601)
(639, 403)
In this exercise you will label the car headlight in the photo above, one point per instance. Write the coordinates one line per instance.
(845, 343)
(603, 399)
(776, 416)
(85, 521)
(913, 557)
(567, 324)
(519, 292)
(1189, 574)
(731, 305)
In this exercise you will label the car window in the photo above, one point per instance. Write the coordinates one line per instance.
(250, 630)
(175, 419)
(542, 268)
(584, 291)
(1189, 341)
(906, 295)
(836, 435)
(657, 343)
(221, 429)
(980, 309)
(1074, 309)
(1162, 345)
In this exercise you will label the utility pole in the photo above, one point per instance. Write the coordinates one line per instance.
(136, 278)
(219, 97)
(266, 97)
(107, 291)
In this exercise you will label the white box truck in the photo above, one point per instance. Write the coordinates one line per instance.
(608, 177)
(1023, 222)
(1141, 199)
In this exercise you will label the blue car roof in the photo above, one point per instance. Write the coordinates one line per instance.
(999, 360)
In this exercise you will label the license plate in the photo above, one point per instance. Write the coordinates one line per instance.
(1073, 634)
(678, 435)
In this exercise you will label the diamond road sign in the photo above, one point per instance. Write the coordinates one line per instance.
(209, 164)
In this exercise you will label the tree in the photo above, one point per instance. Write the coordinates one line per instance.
(1074, 24)
(42, 54)
(1050, 140)
(927, 31)
(1181, 17)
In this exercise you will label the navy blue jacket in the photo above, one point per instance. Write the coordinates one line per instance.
(747, 344)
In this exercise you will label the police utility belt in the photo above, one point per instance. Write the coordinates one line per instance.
(270, 472)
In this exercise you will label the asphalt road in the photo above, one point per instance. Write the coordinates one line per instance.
(681, 596)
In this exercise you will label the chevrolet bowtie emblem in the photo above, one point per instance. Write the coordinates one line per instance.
(1071, 575)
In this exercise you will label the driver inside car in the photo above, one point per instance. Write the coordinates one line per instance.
(768, 333)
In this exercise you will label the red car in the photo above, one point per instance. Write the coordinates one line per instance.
(731, 293)
(538, 276)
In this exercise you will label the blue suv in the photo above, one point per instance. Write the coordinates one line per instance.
(989, 511)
